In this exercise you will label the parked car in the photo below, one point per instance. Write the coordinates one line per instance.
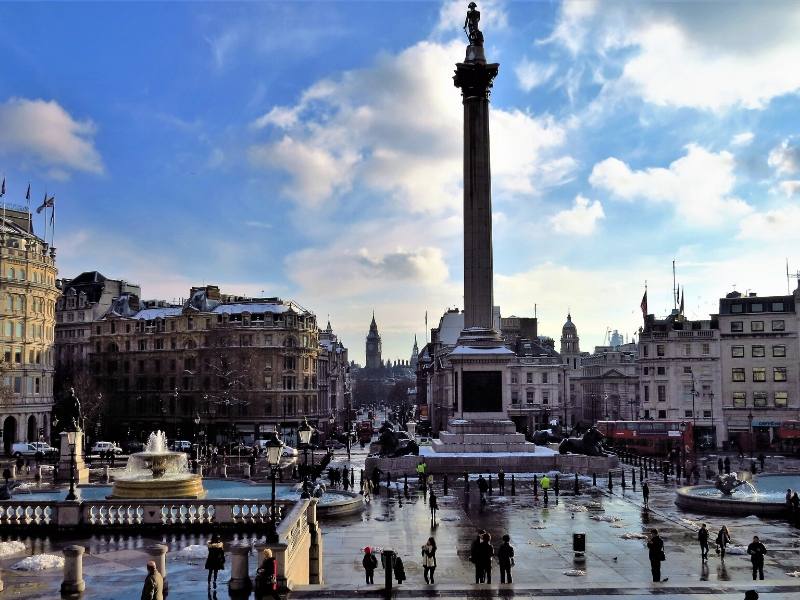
(423, 441)
(29, 449)
(182, 446)
(102, 447)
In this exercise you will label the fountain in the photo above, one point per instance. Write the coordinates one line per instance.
(158, 473)
(739, 495)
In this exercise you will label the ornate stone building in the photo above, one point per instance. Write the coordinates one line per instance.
(333, 377)
(218, 367)
(27, 317)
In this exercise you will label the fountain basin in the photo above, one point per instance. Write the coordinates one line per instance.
(768, 501)
(186, 486)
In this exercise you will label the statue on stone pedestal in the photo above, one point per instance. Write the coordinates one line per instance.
(590, 444)
(70, 413)
(474, 34)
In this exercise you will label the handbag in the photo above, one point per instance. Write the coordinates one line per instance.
(663, 556)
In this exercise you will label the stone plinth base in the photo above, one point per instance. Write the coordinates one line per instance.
(68, 440)
(464, 435)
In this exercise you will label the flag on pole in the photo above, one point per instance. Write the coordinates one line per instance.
(3, 188)
(52, 212)
(683, 295)
(643, 305)
(46, 203)
(28, 193)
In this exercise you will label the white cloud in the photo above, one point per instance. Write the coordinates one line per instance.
(698, 185)
(396, 129)
(531, 74)
(777, 225)
(691, 54)
(790, 187)
(581, 219)
(742, 139)
(785, 158)
(422, 265)
(48, 135)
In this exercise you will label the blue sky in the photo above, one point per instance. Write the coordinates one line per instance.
(312, 151)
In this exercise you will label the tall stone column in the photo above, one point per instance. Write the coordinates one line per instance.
(474, 76)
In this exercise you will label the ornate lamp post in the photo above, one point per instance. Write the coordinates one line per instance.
(197, 435)
(71, 496)
(274, 449)
(304, 432)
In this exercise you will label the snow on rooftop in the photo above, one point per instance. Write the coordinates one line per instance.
(158, 313)
(253, 307)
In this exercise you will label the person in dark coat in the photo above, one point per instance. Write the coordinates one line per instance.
(486, 553)
(719, 465)
(501, 480)
(267, 577)
(474, 556)
(434, 506)
(483, 487)
(757, 550)
(370, 563)
(505, 556)
(751, 595)
(399, 570)
(702, 537)
(655, 552)
(727, 464)
(646, 494)
(762, 459)
(215, 561)
(723, 539)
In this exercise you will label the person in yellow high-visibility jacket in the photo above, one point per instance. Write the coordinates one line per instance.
(421, 468)
(545, 486)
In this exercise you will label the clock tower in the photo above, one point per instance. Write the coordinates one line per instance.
(373, 345)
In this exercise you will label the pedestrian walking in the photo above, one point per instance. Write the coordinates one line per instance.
(719, 465)
(267, 577)
(756, 550)
(483, 487)
(399, 570)
(215, 561)
(505, 557)
(727, 464)
(655, 552)
(474, 556)
(702, 537)
(366, 489)
(486, 553)
(762, 459)
(501, 481)
(723, 539)
(153, 588)
(429, 560)
(376, 479)
(429, 483)
(545, 486)
(370, 563)
(646, 494)
(434, 506)
(795, 503)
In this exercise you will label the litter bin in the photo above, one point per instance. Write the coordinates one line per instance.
(579, 543)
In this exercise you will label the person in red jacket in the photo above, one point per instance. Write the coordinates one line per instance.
(267, 577)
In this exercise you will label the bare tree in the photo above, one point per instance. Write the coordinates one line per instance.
(6, 391)
(231, 371)
(79, 376)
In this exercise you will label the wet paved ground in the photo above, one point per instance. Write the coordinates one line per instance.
(541, 535)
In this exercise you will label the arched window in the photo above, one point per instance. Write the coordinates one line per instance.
(290, 342)
(12, 273)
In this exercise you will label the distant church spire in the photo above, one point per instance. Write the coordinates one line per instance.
(373, 344)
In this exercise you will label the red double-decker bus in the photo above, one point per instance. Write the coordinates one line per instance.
(649, 438)
(788, 437)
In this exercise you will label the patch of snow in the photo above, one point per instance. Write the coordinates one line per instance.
(539, 451)
(40, 562)
(735, 550)
(692, 524)
(605, 518)
(794, 574)
(634, 536)
(193, 552)
(545, 545)
(9, 548)
(575, 573)
(576, 508)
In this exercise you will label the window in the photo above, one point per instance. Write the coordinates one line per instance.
(647, 393)
(756, 325)
(706, 348)
(781, 399)
(645, 370)
(778, 325)
(737, 374)
(687, 370)
(662, 414)
(661, 370)
(529, 395)
(544, 377)
(513, 378)
(759, 374)
(545, 396)
(779, 351)
(757, 351)
(777, 307)
(529, 377)
(659, 349)
(737, 351)
(662, 393)
(687, 413)
(757, 307)
(514, 397)
(159, 342)
(737, 326)
(736, 308)
(142, 344)
(706, 414)
(687, 349)
(759, 399)
(739, 399)
(646, 350)
(779, 374)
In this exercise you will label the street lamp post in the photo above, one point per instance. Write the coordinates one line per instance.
(71, 495)
(274, 449)
(197, 435)
(304, 433)
(750, 427)
(682, 428)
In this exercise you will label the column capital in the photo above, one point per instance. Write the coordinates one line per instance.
(475, 79)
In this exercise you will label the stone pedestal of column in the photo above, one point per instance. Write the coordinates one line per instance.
(240, 568)
(68, 439)
(246, 471)
(158, 554)
(73, 570)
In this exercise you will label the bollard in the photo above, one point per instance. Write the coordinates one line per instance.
(387, 562)
(490, 484)
(466, 482)
(158, 554)
(224, 469)
(633, 478)
(106, 474)
(594, 479)
(610, 482)
(361, 479)
(73, 582)
(246, 471)
(240, 569)
(535, 486)
(352, 478)
(200, 470)
(445, 484)
(556, 485)
(642, 472)
(665, 471)
(623, 480)
(577, 486)
(405, 482)
(513, 486)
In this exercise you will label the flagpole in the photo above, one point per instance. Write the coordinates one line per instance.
(674, 292)
(53, 224)
(44, 237)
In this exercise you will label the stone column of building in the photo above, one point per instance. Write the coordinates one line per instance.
(474, 76)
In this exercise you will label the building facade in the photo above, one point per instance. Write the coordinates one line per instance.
(333, 378)
(679, 372)
(760, 358)
(217, 368)
(608, 385)
(28, 296)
